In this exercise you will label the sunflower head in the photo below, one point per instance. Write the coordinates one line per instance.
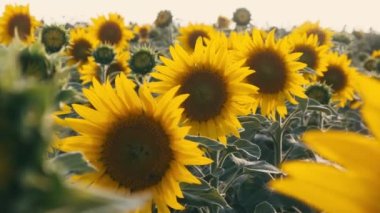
(313, 54)
(276, 72)
(136, 145)
(370, 64)
(190, 34)
(214, 83)
(340, 76)
(34, 63)
(164, 19)
(54, 38)
(223, 22)
(119, 64)
(242, 16)
(104, 54)
(111, 30)
(319, 92)
(324, 35)
(342, 38)
(142, 32)
(358, 34)
(80, 45)
(142, 61)
(90, 70)
(375, 54)
(363, 56)
(17, 20)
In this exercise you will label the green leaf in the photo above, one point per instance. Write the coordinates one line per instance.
(264, 207)
(248, 148)
(207, 142)
(65, 95)
(303, 103)
(255, 166)
(71, 163)
(202, 195)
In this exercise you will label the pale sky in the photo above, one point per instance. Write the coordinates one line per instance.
(335, 14)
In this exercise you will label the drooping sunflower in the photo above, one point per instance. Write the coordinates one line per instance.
(142, 32)
(17, 17)
(313, 54)
(111, 30)
(217, 93)
(324, 34)
(80, 46)
(376, 54)
(190, 34)
(276, 72)
(340, 76)
(353, 186)
(92, 69)
(134, 142)
(54, 38)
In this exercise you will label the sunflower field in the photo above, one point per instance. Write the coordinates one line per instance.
(115, 116)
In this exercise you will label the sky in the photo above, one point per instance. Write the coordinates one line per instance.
(335, 14)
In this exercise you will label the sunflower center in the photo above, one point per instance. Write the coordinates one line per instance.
(144, 33)
(53, 38)
(110, 33)
(208, 94)
(270, 71)
(114, 67)
(81, 50)
(195, 35)
(319, 33)
(23, 24)
(137, 152)
(319, 93)
(142, 62)
(335, 77)
(309, 56)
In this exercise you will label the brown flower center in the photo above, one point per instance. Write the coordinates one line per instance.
(309, 56)
(270, 71)
(335, 77)
(208, 94)
(110, 33)
(137, 152)
(114, 67)
(194, 36)
(319, 33)
(81, 50)
(22, 23)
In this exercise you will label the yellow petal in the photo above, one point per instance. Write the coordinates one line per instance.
(353, 151)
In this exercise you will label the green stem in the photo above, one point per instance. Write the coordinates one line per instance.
(214, 167)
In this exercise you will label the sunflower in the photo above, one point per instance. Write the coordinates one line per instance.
(276, 72)
(353, 186)
(164, 19)
(17, 17)
(340, 76)
(92, 69)
(313, 54)
(134, 142)
(376, 54)
(217, 93)
(242, 17)
(111, 31)
(190, 34)
(80, 46)
(54, 38)
(324, 34)
(142, 32)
